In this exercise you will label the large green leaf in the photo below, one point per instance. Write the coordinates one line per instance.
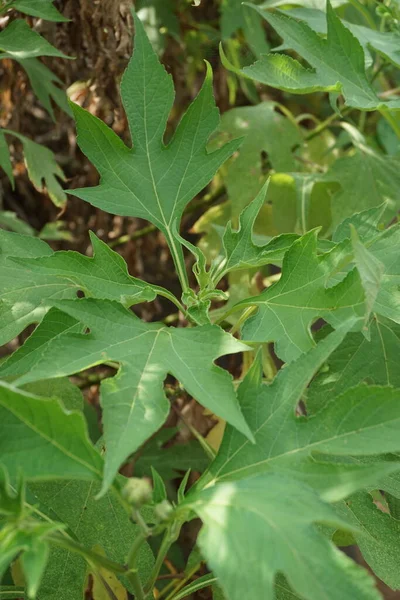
(52, 441)
(258, 527)
(19, 41)
(363, 421)
(337, 62)
(32, 278)
(99, 524)
(151, 180)
(134, 405)
(287, 309)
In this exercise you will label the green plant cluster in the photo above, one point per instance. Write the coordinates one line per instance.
(308, 245)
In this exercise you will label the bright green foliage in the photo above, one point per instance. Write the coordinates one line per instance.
(274, 517)
(310, 453)
(287, 309)
(135, 395)
(30, 288)
(337, 62)
(38, 8)
(54, 443)
(240, 251)
(167, 177)
(352, 424)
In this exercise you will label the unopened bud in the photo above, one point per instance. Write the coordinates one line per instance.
(137, 491)
(163, 510)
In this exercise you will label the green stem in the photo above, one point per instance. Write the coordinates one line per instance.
(386, 114)
(92, 557)
(364, 12)
(183, 582)
(162, 553)
(324, 124)
(177, 256)
(136, 585)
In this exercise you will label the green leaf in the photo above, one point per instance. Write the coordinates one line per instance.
(274, 517)
(68, 394)
(159, 491)
(150, 180)
(385, 43)
(10, 220)
(287, 309)
(43, 84)
(53, 442)
(30, 287)
(44, 9)
(356, 360)
(367, 179)
(265, 130)
(371, 271)
(360, 422)
(19, 41)
(240, 251)
(103, 276)
(236, 16)
(5, 161)
(101, 524)
(337, 62)
(170, 460)
(199, 584)
(134, 405)
(377, 536)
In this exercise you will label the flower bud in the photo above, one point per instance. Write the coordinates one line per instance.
(163, 510)
(137, 491)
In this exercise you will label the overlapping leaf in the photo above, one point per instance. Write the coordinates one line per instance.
(357, 360)
(287, 309)
(98, 524)
(363, 421)
(274, 517)
(19, 41)
(134, 405)
(151, 180)
(337, 62)
(32, 278)
(385, 43)
(43, 440)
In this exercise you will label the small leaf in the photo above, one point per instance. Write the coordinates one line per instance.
(44, 9)
(43, 84)
(159, 491)
(5, 161)
(19, 41)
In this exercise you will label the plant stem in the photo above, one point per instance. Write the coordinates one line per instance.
(136, 585)
(162, 553)
(386, 114)
(183, 582)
